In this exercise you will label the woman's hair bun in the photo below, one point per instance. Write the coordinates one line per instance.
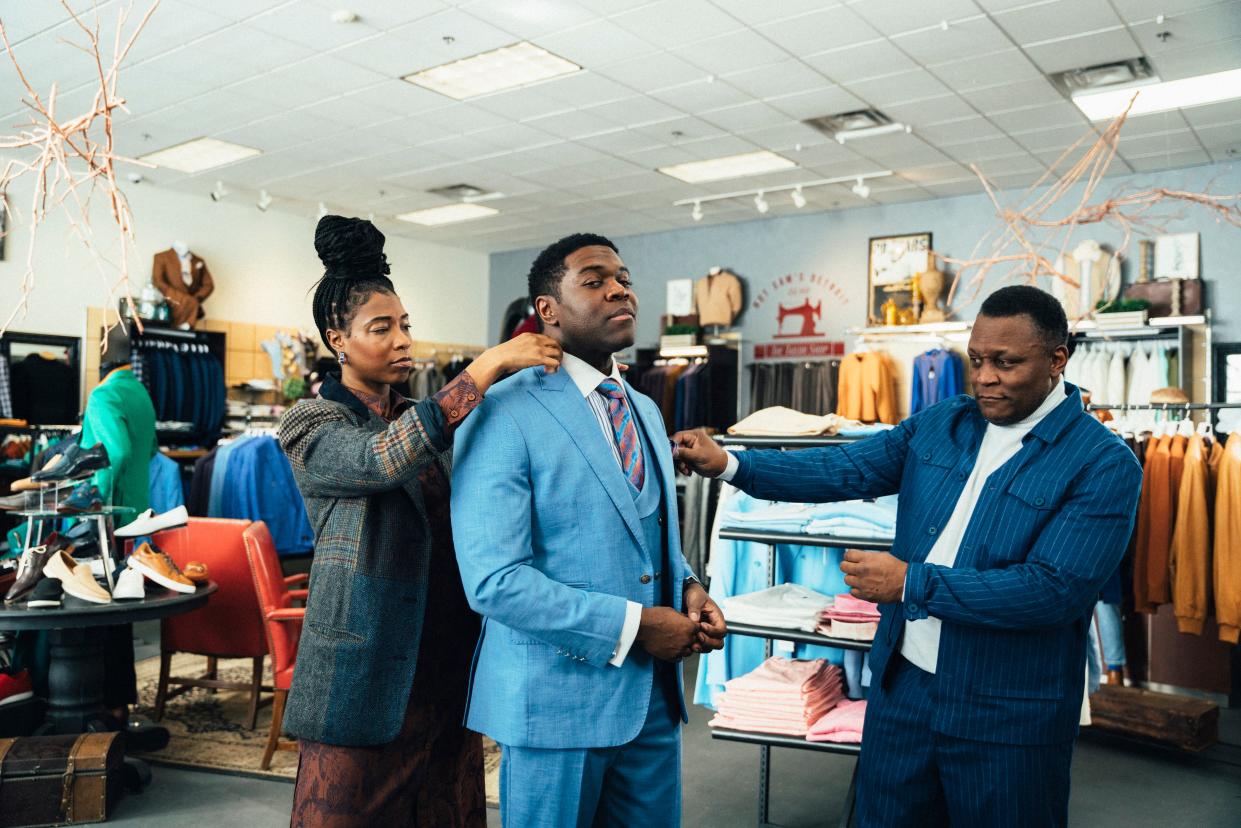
(350, 248)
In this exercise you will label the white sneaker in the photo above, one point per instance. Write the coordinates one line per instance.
(148, 523)
(129, 586)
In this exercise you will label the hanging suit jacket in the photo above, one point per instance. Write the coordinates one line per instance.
(184, 300)
(551, 548)
(1049, 529)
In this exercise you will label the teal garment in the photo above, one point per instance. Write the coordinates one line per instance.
(120, 415)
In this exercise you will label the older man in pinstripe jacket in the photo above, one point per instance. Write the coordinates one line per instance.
(1016, 506)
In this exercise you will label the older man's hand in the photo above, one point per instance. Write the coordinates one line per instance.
(874, 576)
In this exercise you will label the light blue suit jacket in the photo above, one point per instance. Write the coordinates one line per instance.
(550, 548)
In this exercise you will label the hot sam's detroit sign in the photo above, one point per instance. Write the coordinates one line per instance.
(797, 307)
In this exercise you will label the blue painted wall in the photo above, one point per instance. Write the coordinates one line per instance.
(833, 248)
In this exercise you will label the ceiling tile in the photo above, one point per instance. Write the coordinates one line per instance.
(172, 25)
(1184, 63)
(673, 23)
(776, 79)
(1012, 96)
(819, 30)
(421, 44)
(958, 131)
(757, 14)
(1220, 136)
(232, 9)
(1137, 10)
(1087, 50)
(745, 117)
(1041, 116)
(732, 53)
(527, 20)
(597, 44)
(1058, 139)
(1157, 123)
(1168, 161)
(1192, 29)
(650, 72)
(641, 110)
(402, 98)
(895, 16)
(1000, 146)
(786, 136)
(900, 151)
(717, 147)
(584, 89)
(309, 81)
(856, 63)
(954, 188)
(1040, 22)
(699, 97)
(311, 26)
(1221, 113)
(242, 45)
(937, 173)
(916, 85)
(621, 141)
(284, 129)
(575, 124)
(830, 100)
(1007, 66)
(689, 129)
(1168, 142)
(929, 111)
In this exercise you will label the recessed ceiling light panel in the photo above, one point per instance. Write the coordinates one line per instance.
(505, 68)
(1161, 97)
(730, 166)
(448, 214)
(199, 154)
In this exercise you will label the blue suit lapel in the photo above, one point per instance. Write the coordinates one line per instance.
(560, 397)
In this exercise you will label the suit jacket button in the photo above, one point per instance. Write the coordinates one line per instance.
(1038, 501)
(646, 579)
(661, 520)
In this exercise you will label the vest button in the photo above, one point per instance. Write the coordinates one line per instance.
(646, 579)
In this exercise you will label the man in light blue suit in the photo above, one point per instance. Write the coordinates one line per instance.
(565, 524)
(1015, 507)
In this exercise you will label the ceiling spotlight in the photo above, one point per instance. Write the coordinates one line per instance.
(219, 193)
(322, 210)
(696, 213)
(345, 16)
(264, 201)
(860, 189)
(135, 178)
(761, 203)
(799, 198)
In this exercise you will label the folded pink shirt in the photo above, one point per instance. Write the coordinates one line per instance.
(781, 696)
(842, 724)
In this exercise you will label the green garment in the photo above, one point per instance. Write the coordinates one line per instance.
(119, 414)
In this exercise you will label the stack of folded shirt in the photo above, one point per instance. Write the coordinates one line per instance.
(843, 723)
(855, 519)
(774, 517)
(790, 606)
(848, 617)
(779, 421)
(782, 696)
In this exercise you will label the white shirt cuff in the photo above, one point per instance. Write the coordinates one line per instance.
(629, 633)
(730, 468)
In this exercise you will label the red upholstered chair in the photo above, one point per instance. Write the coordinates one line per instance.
(229, 626)
(282, 623)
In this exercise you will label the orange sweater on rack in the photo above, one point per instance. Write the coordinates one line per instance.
(1153, 510)
(1227, 564)
(1191, 540)
(866, 390)
(1169, 490)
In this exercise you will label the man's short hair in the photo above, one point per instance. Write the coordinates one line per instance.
(549, 267)
(1042, 308)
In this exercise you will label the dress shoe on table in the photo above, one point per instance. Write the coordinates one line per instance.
(129, 586)
(85, 498)
(155, 564)
(148, 523)
(26, 485)
(47, 594)
(196, 571)
(30, 569)
(76, 579)
(14, 502)
(74, 461)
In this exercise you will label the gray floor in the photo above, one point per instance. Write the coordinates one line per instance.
(1114, 784)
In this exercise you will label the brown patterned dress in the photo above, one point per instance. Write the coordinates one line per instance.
(431, 775)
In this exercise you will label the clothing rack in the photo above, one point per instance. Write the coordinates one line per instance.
(1163, 407)
(766, 741)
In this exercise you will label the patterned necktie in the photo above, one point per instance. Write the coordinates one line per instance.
(625, 432)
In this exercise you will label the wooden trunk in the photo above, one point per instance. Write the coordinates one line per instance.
(1184, 723)
(59, 780)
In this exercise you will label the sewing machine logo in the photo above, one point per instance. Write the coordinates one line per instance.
(807, 313)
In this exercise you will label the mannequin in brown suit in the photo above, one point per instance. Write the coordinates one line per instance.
(184, 298)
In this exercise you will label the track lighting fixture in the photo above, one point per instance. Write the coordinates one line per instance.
(860, 189)
(220, 192)
(799, 198)
(761, 203)
(797, 192)
(696, 213)
(264, 201)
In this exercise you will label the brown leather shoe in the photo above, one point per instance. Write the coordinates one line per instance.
(29, 573)
(76, 579)
(155, 564)
(196, 571)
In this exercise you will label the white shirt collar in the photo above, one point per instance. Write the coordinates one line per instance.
(587, 377)
(1049, 405)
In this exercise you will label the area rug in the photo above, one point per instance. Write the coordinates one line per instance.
(208, 730)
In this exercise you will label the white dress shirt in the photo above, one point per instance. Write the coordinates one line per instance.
(587, 379)
(999, 444)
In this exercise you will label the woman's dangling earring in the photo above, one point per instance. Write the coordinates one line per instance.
(341, 358)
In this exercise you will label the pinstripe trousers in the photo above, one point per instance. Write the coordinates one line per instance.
(908, 775)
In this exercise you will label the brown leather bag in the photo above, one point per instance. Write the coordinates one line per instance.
(59, 780)
(1159, 294)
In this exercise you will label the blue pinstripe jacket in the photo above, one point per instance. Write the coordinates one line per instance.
(1049, 529)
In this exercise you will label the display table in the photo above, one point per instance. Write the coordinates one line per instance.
(75, 672)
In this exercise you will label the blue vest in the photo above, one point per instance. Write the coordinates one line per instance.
(650, 505)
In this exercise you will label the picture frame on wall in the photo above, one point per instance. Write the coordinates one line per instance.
(891, 264)
(1176, 256)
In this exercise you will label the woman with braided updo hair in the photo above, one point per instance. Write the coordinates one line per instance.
(379, 690)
